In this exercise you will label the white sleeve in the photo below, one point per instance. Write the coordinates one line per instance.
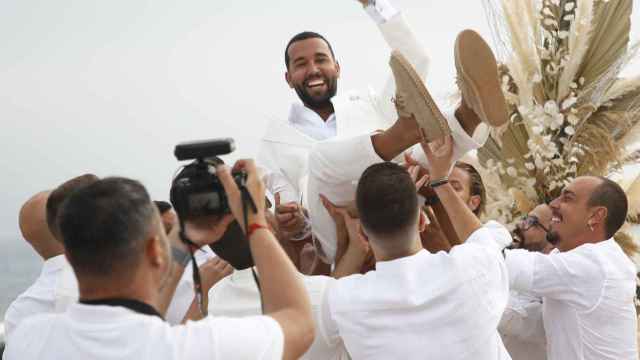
(255, 337)
(573, 276)
(522, 319)
(381, 11)
(492, 234)
(328, 327)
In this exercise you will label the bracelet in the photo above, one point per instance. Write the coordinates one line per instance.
(434, 184)
(253, 227)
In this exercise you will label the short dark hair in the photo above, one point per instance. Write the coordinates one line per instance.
(104, 226)
(476, 185)
(163, 206)
(386, 199)
(610, 195)
(59, 195)
(304, 36)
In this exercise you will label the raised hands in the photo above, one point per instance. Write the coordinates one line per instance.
(290, 217)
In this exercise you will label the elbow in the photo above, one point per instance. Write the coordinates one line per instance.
(307, 330)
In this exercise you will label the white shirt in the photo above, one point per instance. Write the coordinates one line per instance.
(425, 306)
(237, 296)
(53, 291)
(522, 329)
(587, 296)
(101, 332)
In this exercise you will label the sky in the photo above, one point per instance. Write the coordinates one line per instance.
(109, 87)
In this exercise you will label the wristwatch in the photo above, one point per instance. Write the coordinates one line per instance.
(180, 256)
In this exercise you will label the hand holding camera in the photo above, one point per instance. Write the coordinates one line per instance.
(253, 185)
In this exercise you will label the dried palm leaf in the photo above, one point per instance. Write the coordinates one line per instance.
(579, 40)
(628, 245)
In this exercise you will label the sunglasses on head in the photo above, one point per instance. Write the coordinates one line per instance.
(530, 221)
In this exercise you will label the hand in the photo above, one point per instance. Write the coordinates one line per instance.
(290, 217)
(254, 185)
(364, 2)
(422, 188)
(440, 160)
(356, 241)
(213, 271)
(336, 212)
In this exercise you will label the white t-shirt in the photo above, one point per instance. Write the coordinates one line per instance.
(425, 306)
(101, 332)
(587, 299)
(237, 296)
(53, 291)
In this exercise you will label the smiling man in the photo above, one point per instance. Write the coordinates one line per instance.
(587, 285)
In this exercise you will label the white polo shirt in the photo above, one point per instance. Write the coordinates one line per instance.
(101, 332)
(53, 291)
(238, 296)
(587, 299)
(425, 306)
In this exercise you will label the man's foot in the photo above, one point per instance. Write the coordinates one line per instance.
(478, 80)
(414, 101)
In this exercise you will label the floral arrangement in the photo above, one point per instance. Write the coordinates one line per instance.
(571, 113)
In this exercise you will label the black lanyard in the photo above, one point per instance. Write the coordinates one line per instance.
(133, 305)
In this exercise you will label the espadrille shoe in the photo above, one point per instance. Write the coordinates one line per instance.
(478, 78)
(413, 100)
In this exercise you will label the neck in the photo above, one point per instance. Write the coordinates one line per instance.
(324, 111)
(110, 288)
(393, 254)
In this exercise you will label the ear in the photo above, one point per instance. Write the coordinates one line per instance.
(474, 202)
(155, 251)
(287, 78)
(598, 217)
(361, 232)
(337, 69)
(422, 221)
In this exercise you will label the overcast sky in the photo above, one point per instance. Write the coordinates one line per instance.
(109, 87)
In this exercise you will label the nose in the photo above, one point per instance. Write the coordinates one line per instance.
(313, 68)
(554, 204)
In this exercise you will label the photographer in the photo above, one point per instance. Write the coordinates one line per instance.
(120, 253)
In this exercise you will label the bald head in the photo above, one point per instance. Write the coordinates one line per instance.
(33, 225)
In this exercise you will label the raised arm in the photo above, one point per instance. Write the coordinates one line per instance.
(283, 295)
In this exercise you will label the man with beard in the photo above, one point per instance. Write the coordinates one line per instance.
(521, 326)
(313, 72)
(587, 284)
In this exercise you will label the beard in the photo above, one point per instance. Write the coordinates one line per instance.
(553, 237)
(315, 102)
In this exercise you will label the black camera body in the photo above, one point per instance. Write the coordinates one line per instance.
(197, 191)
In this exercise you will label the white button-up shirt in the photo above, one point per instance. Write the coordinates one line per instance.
(522, 329)
(53, 291)
(587, 299)
(101, 332)
(425, 306)
(237, 296)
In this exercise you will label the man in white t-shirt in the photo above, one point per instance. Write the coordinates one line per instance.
(418, 305)
(587, 284)
(122, 258)
(56, 288)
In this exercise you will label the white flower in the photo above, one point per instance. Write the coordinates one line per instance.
(569, 6)
(511, 171)
(563, 34)
(569, 17)
(550, 107)
(569, 130)
(572, 119)
(529, 166)
(570, 101)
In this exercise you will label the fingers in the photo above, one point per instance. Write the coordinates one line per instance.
(277, 200)
(230, 186)
(423, 180)
(413, 172)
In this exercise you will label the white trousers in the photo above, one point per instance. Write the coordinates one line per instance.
(335, 167)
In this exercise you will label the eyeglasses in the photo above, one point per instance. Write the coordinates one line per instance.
(530, 221)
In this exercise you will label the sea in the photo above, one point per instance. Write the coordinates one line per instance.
(19, 267)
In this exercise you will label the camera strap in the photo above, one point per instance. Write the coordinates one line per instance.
(197, 282)
(247, 201)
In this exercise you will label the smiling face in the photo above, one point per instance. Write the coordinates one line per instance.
(460, 180)
(532, 231)
(312, 72)
(572, 218)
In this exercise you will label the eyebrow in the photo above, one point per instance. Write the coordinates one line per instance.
(568, 192)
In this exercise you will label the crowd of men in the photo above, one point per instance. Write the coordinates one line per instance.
(368, 245)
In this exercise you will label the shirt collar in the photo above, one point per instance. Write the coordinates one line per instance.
(302, 114)
(401, 262)
(55, 263)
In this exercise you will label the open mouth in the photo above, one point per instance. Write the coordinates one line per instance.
(316, 83)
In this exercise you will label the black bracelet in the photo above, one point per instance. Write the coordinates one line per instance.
(434, 184)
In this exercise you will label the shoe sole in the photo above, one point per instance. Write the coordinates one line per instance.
(417, 100)
(477, 67)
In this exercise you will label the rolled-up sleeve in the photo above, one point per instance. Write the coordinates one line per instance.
(381, 11)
